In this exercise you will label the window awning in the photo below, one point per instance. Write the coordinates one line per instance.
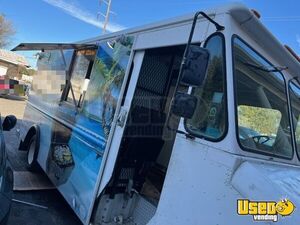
(51, 46)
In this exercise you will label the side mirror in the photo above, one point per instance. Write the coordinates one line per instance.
(184, 105)
(9, 122)
(195, 68)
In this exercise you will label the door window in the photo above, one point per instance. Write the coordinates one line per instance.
(210, 118)
(107, 76)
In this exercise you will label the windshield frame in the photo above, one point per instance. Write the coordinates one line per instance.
(247, 149)
(224, 134)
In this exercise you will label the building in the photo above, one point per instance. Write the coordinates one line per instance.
(11, 64)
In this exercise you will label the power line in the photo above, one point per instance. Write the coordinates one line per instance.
(283, 19)
(105, 13)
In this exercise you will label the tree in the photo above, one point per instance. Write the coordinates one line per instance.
(28, 72)
(6, 31)
(263, 120)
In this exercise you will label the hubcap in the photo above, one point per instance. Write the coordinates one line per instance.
(31, 151)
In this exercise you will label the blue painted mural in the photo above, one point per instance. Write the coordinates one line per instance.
(76, 151)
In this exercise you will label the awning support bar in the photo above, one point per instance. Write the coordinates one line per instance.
(69, 84)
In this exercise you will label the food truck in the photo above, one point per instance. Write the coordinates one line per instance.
(192, 120)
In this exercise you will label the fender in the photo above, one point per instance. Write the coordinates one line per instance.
(34, 130)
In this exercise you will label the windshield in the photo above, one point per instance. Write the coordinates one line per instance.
(262, 110)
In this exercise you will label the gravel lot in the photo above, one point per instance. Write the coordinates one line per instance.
(58, 211)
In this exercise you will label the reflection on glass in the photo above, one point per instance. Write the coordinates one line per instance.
(209, 119)
(263, 133)
(80, 67)
(106, 80)
(49, 81)
(53, 60)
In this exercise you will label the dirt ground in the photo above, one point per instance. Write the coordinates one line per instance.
(12, 105)
(58, 211)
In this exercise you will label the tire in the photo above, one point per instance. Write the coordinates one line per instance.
(32, 153)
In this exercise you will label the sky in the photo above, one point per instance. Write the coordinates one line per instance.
(74, 20)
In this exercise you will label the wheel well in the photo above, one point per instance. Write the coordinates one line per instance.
(34, 130)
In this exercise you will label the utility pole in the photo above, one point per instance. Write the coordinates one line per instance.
(105, 13)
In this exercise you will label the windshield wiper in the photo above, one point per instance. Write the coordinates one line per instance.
(262, 68)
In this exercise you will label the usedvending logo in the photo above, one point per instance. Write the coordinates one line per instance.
(265, 210)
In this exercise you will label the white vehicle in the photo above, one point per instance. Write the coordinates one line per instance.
(193, 120)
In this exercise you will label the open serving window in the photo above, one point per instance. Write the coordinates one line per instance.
(55, 63)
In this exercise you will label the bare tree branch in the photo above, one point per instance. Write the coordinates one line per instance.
(6, 31)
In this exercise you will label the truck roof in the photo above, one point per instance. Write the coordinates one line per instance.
(242, 15)
(249, 23)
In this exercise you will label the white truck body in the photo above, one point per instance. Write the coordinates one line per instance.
(203, 178)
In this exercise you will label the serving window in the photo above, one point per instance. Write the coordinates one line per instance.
(80, 74)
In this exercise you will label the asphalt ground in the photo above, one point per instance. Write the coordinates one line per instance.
(58, 211)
